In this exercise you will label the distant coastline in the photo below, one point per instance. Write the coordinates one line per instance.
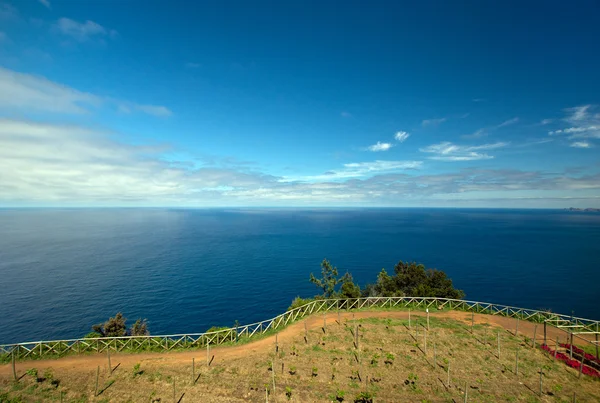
(586, 210)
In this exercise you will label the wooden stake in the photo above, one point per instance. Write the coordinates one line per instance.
(574, 397)
(13, 366)
(276, 343)
(273, 373)
(427, 318)
(571, 346)
(472, 321)
(425, 342)
(324, 322)
(193, 370)
(517, 362)
(556, 348)
(207, 353)
(545, 339)
(498, 345)
(339, 320)
(305, 332)
(97, 376)
(448, 369)
(581, 366)
(409, 318)
(534, 333)
(466, 391)
(597, 357)
(266, 394)
(434, 357)
(109, 365)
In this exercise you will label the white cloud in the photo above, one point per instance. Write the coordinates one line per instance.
(401, 136)
(581, 144)
(477, 134)
(46, 3)
(577, 113)
(583, 123)
(191, 65)
(379, 146)
(62, 165)
(83, 31)
(544, 122)
(28, 93)
(433, 122)
(572, 130)
(508, 122)
(345, 114)
(447, 151)
(359, 169)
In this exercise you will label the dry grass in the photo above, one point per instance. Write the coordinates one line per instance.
(391, 363)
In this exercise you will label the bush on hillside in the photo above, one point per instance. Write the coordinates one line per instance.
(117, 327)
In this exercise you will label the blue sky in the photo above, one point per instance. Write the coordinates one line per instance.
(203, 104)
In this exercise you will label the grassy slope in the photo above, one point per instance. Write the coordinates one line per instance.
(329, 365)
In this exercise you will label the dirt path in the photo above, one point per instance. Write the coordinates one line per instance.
(90, 362)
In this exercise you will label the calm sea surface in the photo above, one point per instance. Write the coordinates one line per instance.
(185, 270)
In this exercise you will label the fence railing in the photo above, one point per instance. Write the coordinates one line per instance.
(42, 349)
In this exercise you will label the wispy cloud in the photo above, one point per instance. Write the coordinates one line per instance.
(584, 124)
(433, 122)
(191, 65)
(84, 31)
(46, 3)
(379, 146)
(545, 122)
(25, 93)
(401, 136)
(447, 151)
(51, 164)
(345, 114)
(485, 131)
(479, 100)
(359, 169)
(508, 123)
(581, 144)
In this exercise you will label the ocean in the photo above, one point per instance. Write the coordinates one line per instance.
(63, 270)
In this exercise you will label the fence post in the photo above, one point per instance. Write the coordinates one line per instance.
(472, 321)
(466, 391)
(109, 365)
(498, 345)
(571, 346)
(598, 358)
(427, 310)
(409, 318)
(534, 333)
(97, 376)
(13, 365)
(517, 362)
(545, 340)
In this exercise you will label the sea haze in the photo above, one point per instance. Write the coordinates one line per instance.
(63, 270)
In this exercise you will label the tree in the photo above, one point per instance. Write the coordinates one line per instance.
(139, 328)
(116, 327)
(348, 288)
(329, 279)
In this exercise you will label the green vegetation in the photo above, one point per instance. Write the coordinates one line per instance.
(409, 279)
(116, 327)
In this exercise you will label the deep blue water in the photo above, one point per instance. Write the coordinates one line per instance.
(63, 270)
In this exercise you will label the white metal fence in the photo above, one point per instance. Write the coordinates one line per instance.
(42, 349)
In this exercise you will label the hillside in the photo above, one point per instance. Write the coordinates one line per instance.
(394, 362)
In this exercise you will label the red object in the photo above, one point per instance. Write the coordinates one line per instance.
(573, 363)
